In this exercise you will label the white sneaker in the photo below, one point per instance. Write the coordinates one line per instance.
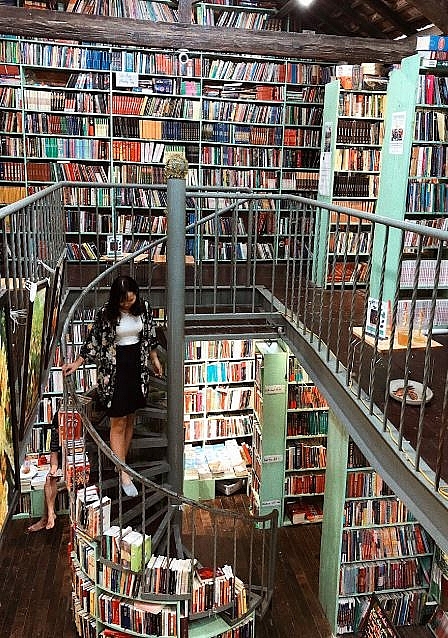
(129, 489)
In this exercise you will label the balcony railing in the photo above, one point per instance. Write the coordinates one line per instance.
(367, 315)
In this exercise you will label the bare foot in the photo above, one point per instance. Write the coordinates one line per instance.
(41, 524)
(51, 521)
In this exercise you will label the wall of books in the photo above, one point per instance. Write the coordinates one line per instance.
(95, 113)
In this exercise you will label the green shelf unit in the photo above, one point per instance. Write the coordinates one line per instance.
(266, 489)
(401, 106)
(349, 175)
(344, 608)
(410, 189)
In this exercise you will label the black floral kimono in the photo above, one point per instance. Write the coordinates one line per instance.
(99, 348)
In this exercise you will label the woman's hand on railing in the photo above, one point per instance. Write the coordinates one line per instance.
(69, 368)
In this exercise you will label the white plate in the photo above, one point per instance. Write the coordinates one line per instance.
(415, 386)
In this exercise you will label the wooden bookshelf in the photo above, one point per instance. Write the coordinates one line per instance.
(104, 113)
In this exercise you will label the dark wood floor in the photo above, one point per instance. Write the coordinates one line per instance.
(35, 584)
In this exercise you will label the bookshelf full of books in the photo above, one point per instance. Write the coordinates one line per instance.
(218, 408)
(121, 587)
(413, 183)
(371, 543)
(97, 113)
(306, 448)
(350, 171)
(270, 395)
(239, 15)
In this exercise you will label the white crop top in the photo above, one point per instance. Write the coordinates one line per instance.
(129, 328)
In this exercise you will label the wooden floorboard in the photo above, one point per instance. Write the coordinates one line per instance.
(35, 590)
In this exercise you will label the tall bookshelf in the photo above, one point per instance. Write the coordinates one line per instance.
(306, 447)
(370, 543)
(350, 169)
(87, 112)
(413, 180)
(268, 469)
(218, 408)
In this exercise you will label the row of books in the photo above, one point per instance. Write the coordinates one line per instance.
(376, 512)
(426, 273)
(218, 372)
(146, 618)
(423, 309)
(209, 15)
(357, 578)
(390, 541)
(357, 159)
(10, 97)
(350, 185)
(349, 242)
(432, 89)
(431, 126)
(303, 115)
(61, 147)
(66, 101)
(219, 349)
(250, 112)
(68, 56)
(300, 455)
(85, 591)
(83, 379)
(305, 396)
(347, 272)
(366, 484)
(241, 156)
(359, 132)
(411, 239)
(307, 423)
(300, 484)
(429, 161)
(66, 124)
(91, 80)
(154, 11)
(402, 608)
(240, 425)
(370, 105)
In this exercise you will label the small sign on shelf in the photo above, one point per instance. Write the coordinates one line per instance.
(377, 317)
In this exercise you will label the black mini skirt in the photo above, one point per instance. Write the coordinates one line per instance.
(128, 396)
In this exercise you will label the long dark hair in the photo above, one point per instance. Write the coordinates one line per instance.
(118, 293)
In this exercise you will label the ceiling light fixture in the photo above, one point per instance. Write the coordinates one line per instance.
(305, 3)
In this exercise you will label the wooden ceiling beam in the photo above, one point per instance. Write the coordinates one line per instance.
(436, 11)
(120, 31)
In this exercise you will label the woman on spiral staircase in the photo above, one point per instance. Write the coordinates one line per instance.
(123, 344)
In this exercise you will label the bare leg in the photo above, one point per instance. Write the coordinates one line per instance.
(129, 431)
(118, 439)
(49, 516)
(51, 490)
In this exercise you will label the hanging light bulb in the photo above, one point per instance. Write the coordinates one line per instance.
(305, 3)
